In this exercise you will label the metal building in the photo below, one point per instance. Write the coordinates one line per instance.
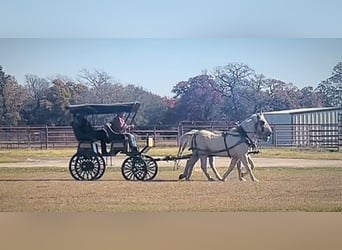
(315, 127)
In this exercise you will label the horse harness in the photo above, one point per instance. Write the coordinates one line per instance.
(244, 138)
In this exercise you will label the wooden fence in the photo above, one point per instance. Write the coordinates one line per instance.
(314, 136)
(63, 137)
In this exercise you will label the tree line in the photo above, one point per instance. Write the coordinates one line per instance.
(230, 92)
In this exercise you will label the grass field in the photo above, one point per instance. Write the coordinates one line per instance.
(45, 188)
(279, 189)
(293, 153)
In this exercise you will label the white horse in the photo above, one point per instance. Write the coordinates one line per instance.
(233, 143)
(185, 141)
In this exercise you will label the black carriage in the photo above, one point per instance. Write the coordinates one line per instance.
(89, 161)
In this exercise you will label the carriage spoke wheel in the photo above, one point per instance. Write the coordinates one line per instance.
(152, 168)
(87, 167)
(102, 166)
(134, 168)
(72, 168)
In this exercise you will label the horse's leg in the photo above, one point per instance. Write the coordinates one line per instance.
(240, 174)
(179, 154)
(211, 163)
(192, 162)
(245, 160)
(205, 168)
(251, 162)
(230, 168)
(188, 168)
(176, 164)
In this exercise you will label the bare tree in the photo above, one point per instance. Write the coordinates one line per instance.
(229, 79)
(36, 88)
(99, 81)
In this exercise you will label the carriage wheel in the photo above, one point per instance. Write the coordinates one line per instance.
(102, 167)
(72, 168)
(87, 167)
(152, 168)
(134, 168)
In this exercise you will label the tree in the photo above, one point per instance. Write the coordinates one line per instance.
(61, 94)
(99, 83)
(103, 89)
(197, 100)
(36, 110)
(309, 98)
(152, 107)
(232, 81)
(11, 99)
(331, 88)
(257, 95)
(282, 95)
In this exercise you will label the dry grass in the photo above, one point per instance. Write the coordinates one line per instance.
(279, 189)
(293, 153)
(15, 155)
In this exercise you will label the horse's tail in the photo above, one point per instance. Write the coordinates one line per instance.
(184, 141)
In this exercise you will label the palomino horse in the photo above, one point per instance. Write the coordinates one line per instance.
(185, 141)
(233, 143)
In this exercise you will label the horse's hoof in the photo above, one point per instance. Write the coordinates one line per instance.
(181, 177)
(256, 180)
(242, 179)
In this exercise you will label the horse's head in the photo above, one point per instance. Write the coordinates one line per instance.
(262, 129)
(258, 125)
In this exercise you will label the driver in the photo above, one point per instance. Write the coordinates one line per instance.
(119, 125)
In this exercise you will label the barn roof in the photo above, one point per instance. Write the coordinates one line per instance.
(302, 110)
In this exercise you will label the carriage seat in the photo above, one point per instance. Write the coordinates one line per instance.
(83, 130)
(118, 141)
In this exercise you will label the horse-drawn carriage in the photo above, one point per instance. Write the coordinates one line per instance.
(89, 164)
(89, 161)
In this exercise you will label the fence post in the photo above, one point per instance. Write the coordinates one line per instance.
(339, 129)
(41, 139)
(66, 137)
(46, 137)
(154, 133)
(18, 139)
(179, 132)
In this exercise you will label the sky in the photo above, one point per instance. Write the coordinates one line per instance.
(156, 44)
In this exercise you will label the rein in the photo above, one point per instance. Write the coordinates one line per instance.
(244, 133)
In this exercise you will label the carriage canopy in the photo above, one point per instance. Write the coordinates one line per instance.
(91, 109)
